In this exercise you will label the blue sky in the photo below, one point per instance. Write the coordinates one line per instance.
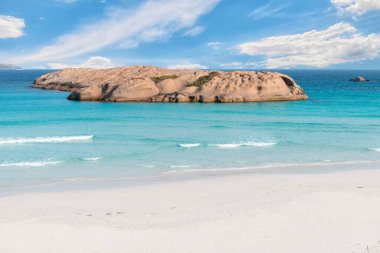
(230, 34)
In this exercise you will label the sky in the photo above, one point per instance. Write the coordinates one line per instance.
(209, 34)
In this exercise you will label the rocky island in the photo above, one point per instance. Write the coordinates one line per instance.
(153, 84)
(359, 79)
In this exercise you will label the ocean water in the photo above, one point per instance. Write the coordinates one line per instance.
(45, 138)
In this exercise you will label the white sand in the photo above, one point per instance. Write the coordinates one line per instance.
(295, 213)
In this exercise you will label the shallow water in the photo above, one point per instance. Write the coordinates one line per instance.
(46, 138)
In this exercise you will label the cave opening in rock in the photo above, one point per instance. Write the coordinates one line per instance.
(288, 82)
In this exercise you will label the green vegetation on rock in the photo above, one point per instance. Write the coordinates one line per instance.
(157, 79)
(205, 79)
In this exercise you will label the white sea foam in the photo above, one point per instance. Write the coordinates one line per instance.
(92, 158)
(149, 166)
(30, 164)
(52, 139)
(270, 166)
(375, 149)
(243, 144)
(180, 166)
(189, 145)
(146, 165)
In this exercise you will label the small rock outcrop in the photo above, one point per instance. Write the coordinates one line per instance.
(153, 84)
(359, 79)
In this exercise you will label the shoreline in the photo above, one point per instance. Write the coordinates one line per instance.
(180, 175)
(244, 212)
(190, 174)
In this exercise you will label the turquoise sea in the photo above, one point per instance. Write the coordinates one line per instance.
(45, 138)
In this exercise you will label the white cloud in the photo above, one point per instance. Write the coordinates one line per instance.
(11, 27)
(155, 34)
(98, 62)
(195, 31)
(129, 44)
(68, 1)
(358, 7)
(267, 10)
(234, 64)
(152, 20)
(215, 45)
(188, 66)
(339, 43)
(239, 65)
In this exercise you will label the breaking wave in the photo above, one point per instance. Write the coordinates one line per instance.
(269, 166)
(30, 164)
(243, 144)
(180, 166)
(92, 158)
(189, 145)
(52, 139)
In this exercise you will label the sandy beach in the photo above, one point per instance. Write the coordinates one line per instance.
(246, 212)
(189, 126)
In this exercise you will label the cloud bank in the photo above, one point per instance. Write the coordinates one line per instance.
(358, 7)
(188, 66)
(153, 20)
(340, 43)
(97, 62)
(239, 65)
(11, 27)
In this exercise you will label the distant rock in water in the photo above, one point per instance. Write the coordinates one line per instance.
(153, 84)
(359, 79)
(8, 66)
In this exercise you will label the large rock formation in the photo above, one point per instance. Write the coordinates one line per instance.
(152, 84)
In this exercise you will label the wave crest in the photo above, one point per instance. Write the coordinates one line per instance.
(243, 144)
(189, 145)
(92, 158)
(52, 139)
(30, 164)
(269, 166)
(181, 166)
